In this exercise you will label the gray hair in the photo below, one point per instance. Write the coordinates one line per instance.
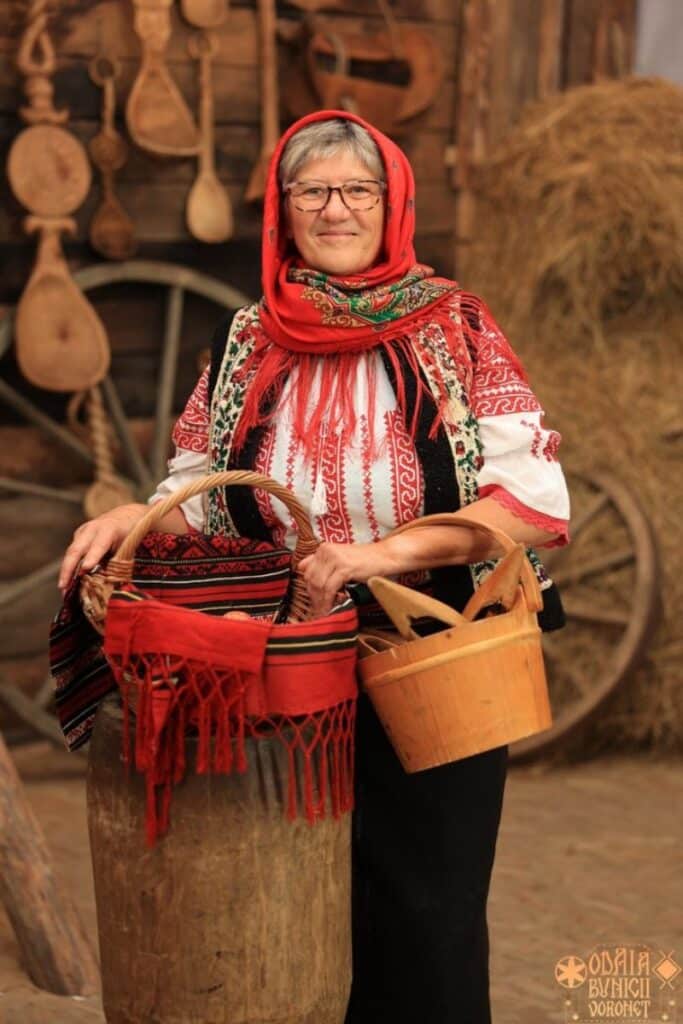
(326, 138)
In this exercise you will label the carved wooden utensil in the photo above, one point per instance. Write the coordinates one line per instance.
(157, 115)
(208, 212)
(204, 13)
(61, 343)
(111, 229)
(270, 119)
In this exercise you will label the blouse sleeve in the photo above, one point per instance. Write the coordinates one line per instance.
(520, 469)
(191, 457)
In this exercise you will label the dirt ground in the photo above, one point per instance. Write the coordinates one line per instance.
(587, 854)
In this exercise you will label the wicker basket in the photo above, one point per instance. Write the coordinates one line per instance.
(96, 588)
(471, 687)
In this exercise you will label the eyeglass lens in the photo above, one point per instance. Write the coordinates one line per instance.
(356, 195)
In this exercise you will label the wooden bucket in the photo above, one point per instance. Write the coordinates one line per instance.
(239, 916)
(471, 687)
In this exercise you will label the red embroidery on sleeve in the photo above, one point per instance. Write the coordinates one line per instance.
(499, 385)
(191, 431)
(551, 524)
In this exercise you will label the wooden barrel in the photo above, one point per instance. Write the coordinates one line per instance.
(237, 916)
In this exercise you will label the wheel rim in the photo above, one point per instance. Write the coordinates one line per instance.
(628, 625)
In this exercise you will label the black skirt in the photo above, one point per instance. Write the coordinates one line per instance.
(423, 851)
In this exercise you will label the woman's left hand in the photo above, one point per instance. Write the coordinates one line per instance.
(332, 566)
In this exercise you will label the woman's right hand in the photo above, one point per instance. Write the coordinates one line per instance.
(96, 538)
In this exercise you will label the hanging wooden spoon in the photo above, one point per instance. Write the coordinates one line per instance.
(208, 211)
(204, 13)
(111, 229)
(270, 104)
(157, 115)
(61, 343)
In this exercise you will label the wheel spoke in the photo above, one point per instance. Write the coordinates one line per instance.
(566, 671)
(34, 415)
(40, 490)
(586, 517)
(613, 560)
(40, 721)
(167, 375)
(588, 611)
(46, 692)
(136, 462)
(10, 592)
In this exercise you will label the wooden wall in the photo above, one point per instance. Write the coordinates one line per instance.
(153, 190)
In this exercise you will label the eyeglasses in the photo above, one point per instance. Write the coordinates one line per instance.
(313, 196)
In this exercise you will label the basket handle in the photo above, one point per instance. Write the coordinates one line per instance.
(120, 566)
(528, 580)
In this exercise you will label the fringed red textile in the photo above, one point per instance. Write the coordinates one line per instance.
(186, 673)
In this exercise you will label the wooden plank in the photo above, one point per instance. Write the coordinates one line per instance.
(614, 40)
(549, 64)
(585, 22)
(236, 93)
(87, 29)
(112, 20)
(53, 943)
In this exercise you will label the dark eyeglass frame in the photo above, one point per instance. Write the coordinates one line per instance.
(336, 188)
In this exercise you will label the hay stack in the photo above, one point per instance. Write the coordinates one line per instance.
(580, 255)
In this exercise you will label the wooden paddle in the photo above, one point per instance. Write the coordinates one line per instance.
(270, 113)
(208, 211)
(204, 13)
(111, 229)
(61, 343)
(157, 115)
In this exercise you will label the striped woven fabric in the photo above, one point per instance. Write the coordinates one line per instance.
(212, 574)
(187, 669)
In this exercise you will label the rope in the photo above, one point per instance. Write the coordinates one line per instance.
(100, 438)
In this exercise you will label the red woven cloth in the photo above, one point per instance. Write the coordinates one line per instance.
(188, 672)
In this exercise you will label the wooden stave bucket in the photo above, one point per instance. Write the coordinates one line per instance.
(286, 885)
(468, 677)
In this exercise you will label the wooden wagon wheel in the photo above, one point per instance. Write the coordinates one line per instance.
(608, 579)
(144, 470)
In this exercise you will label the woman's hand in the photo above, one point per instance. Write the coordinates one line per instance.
(97, 537)
(332, 566)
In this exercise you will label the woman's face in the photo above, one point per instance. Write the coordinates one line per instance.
(335, 239)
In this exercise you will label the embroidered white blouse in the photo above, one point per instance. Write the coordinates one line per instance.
(354, 498)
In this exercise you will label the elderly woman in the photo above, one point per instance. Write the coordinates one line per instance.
(378, 393)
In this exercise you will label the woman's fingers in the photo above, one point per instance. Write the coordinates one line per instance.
(91, 542)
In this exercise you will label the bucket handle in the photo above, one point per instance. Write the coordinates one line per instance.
(528, 580)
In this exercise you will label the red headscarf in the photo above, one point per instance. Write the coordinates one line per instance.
(288, 314)
(306, 313)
